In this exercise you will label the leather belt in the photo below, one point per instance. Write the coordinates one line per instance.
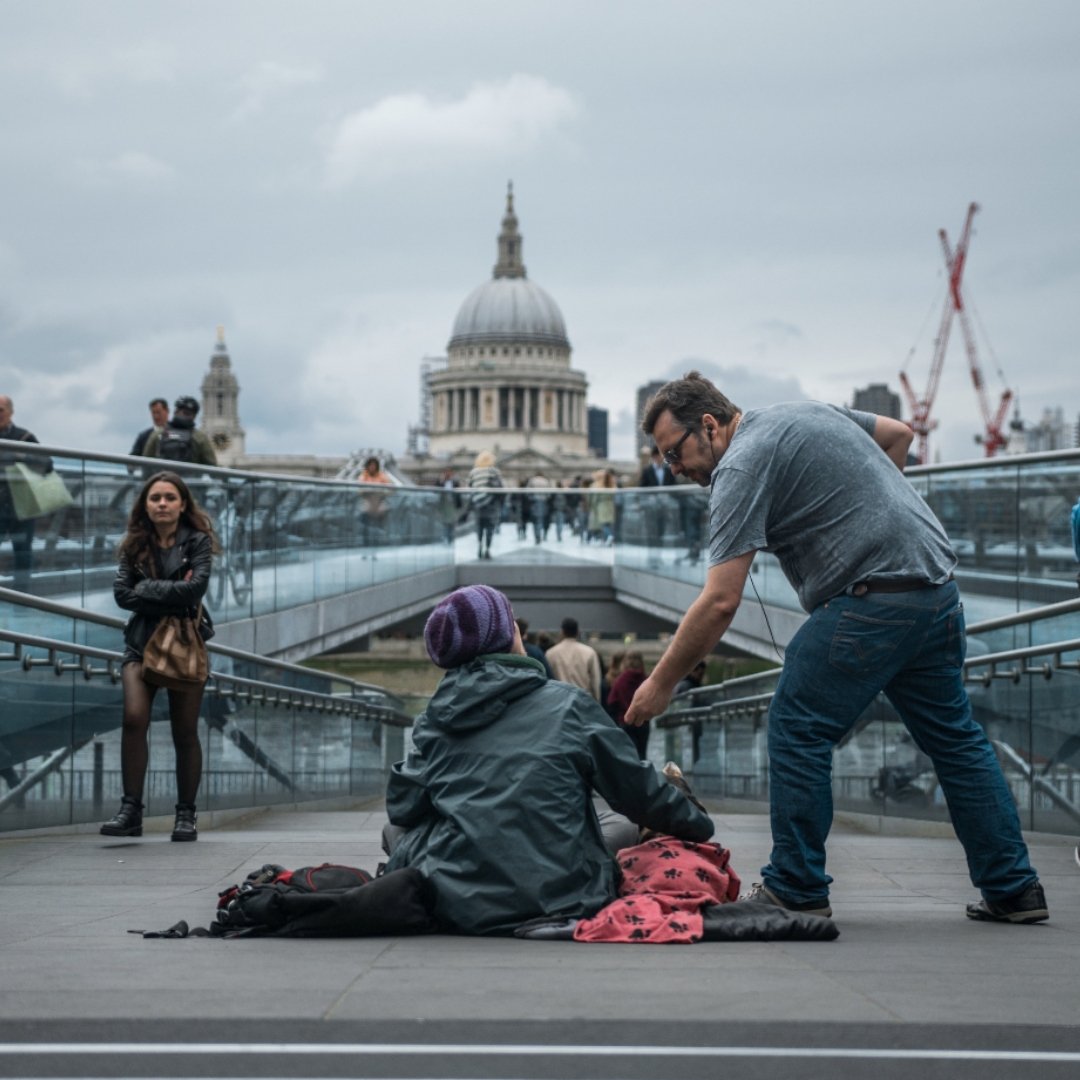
(896, 585)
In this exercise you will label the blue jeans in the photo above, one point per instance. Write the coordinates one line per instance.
(911, 646)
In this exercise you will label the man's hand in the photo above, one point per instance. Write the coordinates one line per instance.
(649, 700)
(702, 627)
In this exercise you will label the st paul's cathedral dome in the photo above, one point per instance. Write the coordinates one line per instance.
(508, 385)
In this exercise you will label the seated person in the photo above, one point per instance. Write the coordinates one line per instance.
(496, 796)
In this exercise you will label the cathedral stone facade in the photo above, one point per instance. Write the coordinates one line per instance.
(507, 385)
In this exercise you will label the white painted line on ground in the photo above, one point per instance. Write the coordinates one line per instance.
(530, 1050)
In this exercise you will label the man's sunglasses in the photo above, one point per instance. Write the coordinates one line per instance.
(672, 456)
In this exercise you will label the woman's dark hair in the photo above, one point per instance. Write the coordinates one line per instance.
(141, 536)
(688, 399)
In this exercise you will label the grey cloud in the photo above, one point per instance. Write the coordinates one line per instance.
(748, 389)
(765, 189)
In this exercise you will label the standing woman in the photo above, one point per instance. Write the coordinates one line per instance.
(165, 559)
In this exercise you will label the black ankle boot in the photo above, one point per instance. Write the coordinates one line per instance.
(184, 827)
(127, 821)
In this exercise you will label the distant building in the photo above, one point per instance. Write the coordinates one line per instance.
(506, 385)
(644, 393)
(1052, 432)
(219, 416)
(878, 398)
(598, 431)
(508, 381)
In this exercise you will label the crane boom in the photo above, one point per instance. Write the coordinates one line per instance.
(921, 423)
(992, 438)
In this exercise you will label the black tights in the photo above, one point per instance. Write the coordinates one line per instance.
(184, 708)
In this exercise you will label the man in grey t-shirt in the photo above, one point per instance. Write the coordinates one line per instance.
(822, 488)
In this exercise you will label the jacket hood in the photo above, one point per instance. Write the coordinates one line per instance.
(476, 694)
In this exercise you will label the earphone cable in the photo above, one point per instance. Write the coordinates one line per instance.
(768, 625)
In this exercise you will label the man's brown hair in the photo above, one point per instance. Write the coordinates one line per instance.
(688, 399)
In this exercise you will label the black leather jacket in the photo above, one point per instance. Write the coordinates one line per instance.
(150, 598)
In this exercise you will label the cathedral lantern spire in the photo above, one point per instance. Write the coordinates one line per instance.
(509, 264)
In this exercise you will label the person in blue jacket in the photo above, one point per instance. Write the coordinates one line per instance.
(494, 803)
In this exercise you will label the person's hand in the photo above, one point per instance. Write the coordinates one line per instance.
(649, 701)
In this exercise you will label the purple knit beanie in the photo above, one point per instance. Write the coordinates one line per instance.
(468, 623)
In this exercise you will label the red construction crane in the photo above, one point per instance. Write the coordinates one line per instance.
(992, 437)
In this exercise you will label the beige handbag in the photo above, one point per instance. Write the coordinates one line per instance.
(175, 654)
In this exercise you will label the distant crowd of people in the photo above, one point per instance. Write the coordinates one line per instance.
(583, 507)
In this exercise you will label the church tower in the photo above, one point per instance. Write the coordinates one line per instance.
(220, 417)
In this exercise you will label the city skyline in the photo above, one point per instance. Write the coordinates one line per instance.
(755, 194)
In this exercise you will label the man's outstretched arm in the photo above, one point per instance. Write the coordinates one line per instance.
(704, 624)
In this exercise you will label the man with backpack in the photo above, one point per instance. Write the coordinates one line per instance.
(180, 440)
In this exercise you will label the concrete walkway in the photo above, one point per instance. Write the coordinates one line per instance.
(908, 970)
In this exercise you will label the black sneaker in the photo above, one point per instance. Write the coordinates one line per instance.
(1028, 906)
(760, 894)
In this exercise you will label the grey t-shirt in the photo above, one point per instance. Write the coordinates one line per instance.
(807, 482)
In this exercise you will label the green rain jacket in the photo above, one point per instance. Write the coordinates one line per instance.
(497, 797)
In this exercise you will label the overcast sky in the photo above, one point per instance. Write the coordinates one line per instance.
(753, 189)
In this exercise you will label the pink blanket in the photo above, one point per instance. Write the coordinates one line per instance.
(666, 882)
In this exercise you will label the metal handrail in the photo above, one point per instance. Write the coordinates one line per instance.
(1019, 618)
(1046, 670)
(1018, 460)
(52, 607)
(1040, 458)
(265, 693)
(674, 716)
(754, 704)
(146, 465)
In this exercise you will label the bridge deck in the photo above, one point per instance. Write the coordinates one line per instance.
(906, 953)
(909, 976)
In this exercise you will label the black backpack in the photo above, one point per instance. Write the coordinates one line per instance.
(325, 901)
(177, 444)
